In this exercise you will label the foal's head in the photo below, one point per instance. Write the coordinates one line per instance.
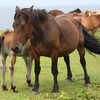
(22, 28)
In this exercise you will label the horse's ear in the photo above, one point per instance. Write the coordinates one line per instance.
(3, 38)
(30, 10)
(17, 9)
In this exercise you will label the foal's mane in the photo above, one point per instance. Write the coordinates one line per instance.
(37, 14)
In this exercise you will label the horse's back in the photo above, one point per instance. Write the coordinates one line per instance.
(69, 34)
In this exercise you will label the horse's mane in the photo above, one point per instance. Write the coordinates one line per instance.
(76, 10)
(6, 32)
(37, 14)
(40, 14)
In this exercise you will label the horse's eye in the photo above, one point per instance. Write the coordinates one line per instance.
(23, 26)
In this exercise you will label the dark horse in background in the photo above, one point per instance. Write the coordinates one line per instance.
(52, 37)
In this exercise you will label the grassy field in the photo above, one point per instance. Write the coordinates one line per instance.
(67, 91)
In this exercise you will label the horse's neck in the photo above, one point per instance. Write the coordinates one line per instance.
(98, 17)
(37, 31)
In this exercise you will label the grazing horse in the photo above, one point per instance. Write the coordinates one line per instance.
(59, 12)
(26, 54)
(71, 14)
(91, 22)
(56, 12)
(52, 37)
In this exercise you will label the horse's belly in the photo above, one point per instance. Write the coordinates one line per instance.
(65, 52)
(68, 47)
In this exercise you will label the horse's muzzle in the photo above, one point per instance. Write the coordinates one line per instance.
(16, 49)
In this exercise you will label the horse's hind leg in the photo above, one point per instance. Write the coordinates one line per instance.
(3, 71)
(83, 63)
(69, 74)
(28, 63)
(93, 31)
(11, 72)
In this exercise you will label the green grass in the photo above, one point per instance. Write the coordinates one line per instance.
(67, 91)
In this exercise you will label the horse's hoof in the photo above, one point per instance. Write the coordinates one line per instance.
(88, 85)
(55, 92)
(30, 85)
(15, 90)
(4, 88)
(68, 80)
(35, 92)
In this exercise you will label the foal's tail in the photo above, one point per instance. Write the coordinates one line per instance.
(91, 43)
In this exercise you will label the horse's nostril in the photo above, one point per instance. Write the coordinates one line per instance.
(15, 49)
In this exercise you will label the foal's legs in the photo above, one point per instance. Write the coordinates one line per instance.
(83, 63)
(3, 71)
(11, 72)
(69, 74)
(28, 63)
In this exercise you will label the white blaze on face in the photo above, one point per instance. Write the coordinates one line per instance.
(89, 14)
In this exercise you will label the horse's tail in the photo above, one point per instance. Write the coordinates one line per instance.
(1, 42)
(91, 43)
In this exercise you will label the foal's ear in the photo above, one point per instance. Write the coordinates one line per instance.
(17, 9)
(2, 38)
(30, 10)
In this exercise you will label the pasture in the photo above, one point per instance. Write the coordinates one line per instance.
(67, 91)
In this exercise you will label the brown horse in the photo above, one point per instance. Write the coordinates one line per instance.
(52, 37)
(71, 14)
(86, 13)
(59, 12)
(26, 54)
(91, 22)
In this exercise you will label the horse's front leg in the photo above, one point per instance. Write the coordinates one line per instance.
(11, 72)
(28, 63)
(3, 71)
(54, 57)
(37, 72)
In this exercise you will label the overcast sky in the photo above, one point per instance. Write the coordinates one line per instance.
(47, 2)
(7, 7)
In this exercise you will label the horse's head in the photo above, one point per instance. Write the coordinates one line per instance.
(87, 13)
(22, 28)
